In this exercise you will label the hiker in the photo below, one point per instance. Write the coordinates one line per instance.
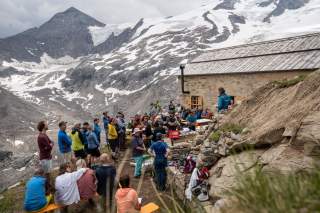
(113, 137)
(158, 128)
(171, 107)
(199, 113)
(45, 147)
(36, 195)
(77, 142)
(223, 100)
(87, 184)
(64, 142)
(97, 129)
(121, 130)
(93, 145)
(105, 120)
(137, 151)
(126, 198)
(148, 134)
(160, 151)
(66, 186)
(106, 174)
(85, 132)
(192, 119)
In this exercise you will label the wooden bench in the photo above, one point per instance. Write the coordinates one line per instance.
(149, 208)
(49, 208)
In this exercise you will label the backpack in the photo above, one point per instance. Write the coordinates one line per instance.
(189, 165)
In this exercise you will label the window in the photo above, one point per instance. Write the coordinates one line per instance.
(196, 102)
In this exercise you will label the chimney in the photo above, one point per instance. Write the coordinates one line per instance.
(182, 66)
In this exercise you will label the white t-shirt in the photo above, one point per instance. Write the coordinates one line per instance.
(66, 186)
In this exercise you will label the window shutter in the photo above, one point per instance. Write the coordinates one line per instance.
(200, 102)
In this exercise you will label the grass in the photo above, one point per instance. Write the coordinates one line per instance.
(265, 192)
(215, 136)
(12, 200)
(231, 127)
(289, 82)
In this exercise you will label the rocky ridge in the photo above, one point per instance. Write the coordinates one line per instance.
(277, 129)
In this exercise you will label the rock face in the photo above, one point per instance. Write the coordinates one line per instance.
(287, 142)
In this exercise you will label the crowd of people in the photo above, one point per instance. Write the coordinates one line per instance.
(85, 172)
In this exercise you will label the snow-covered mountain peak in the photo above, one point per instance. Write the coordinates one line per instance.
(111, 66)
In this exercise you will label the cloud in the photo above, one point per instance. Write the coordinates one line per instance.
(19, 15)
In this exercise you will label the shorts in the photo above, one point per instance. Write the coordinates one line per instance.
(46, 165)
(80, 154)
(94, 152)
(114, 144)
(65, 157)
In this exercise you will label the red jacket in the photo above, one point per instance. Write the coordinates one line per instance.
(45, 146)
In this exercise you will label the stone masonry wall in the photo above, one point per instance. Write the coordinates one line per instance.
(239, 85)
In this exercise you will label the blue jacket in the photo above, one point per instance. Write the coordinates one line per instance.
(105, 122)
(85, 134)
(64, 142)
(93, 142)
(223, 102)
(35, 194)
(97, 131)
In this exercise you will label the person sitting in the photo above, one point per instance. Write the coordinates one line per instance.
(87, 183)
(126, 197)
(66, 186)
(35, 193)
(106, 174)
(192, 119)
(160, 151)
(223, 100)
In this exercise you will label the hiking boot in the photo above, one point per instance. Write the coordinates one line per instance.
(203, 196)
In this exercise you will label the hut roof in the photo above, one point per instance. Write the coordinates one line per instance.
(287, 54)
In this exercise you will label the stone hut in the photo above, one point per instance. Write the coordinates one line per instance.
(242, 69)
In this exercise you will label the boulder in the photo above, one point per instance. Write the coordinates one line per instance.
(224, 174)
(308, 134)
(285, 158)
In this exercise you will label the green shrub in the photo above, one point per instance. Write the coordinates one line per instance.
(231, 127)
(289, 82)
(215, 136)
(266, 192)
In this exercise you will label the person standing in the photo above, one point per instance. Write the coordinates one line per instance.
(106, 174)
(93, 145)
(126, 197)
(97, 128)
(64, 142)
(45, 146)
(105, 120)
(160, 151)
(77, 142)
(137, 151)
(113, 137)
(85, 132)
(223, 100)
(121, 130)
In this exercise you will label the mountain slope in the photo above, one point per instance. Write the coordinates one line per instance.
(64, 34)
(132, 65)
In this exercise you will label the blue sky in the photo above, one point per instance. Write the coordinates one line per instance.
(19, 15)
